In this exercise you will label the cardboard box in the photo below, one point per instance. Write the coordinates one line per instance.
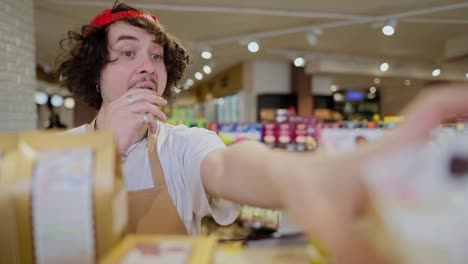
(8, 239)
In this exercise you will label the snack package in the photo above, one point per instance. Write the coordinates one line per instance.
(68, 196)
(420, 202)
(138, 249)
(8, 238)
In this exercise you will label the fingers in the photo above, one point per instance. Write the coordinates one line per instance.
(151, 121)
(431, 108)
(144, 107)
(422, 115)
(138, 95)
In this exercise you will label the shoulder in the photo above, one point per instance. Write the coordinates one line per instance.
(183, 132)
(183, 139)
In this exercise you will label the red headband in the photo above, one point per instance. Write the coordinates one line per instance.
(106, 17)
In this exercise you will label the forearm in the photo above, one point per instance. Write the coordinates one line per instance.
(248, 173)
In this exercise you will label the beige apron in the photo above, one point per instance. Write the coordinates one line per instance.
(151, 211)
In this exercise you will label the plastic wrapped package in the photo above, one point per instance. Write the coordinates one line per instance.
(420, 202)
(68, 197)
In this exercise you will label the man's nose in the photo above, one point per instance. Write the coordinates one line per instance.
(147, 65)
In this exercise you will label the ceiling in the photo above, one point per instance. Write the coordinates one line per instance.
(350, 32)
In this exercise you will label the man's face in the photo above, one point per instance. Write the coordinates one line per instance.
(139, 62)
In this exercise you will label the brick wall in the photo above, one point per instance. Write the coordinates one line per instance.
(17, 66)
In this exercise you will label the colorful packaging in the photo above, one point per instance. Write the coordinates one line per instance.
(228, 133)
(270, 134)
(285, 136)
(68, 196)
(300, 137)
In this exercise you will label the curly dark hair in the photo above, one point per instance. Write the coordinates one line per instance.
(85, 54)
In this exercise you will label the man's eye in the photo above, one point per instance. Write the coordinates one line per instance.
(128, 53)
(156, 57)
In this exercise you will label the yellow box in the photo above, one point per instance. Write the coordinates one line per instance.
(8, 239)
(201, 248)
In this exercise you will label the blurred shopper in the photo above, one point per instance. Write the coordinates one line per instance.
(125, 64)
(55, 123)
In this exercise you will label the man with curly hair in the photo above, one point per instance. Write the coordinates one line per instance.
(125, 63)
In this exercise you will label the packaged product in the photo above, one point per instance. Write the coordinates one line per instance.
(69, 200)
(420, 202)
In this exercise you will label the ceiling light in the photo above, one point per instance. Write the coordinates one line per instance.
(436, 72)
(407, 82)
(253, 46)
(384, 67)
(57, 100)
(206, 55)
(467, 75)
(177, 90)
(389, 28)
(376, 80)
(189, 82)
(299, 62)
(373, 89)
(198, 76)
(41, 98)
(207, 69)
(69, 103)
(334, 88)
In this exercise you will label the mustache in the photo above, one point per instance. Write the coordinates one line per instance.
(145, 79)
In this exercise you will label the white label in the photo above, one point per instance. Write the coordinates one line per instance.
(62, 207)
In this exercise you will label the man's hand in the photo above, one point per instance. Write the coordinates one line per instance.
(129, 116)
(325, 194)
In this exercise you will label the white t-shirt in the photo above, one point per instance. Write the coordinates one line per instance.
(181, 151)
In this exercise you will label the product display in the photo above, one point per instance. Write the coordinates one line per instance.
(334, 140)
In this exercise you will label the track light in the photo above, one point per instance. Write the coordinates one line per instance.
(436, 72)
(207, 69)
(198, 76)
(189, 82)
(206, 53)
(390, 27)
(384, 67)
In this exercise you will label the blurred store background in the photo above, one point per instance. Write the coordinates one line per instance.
(336, 59)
